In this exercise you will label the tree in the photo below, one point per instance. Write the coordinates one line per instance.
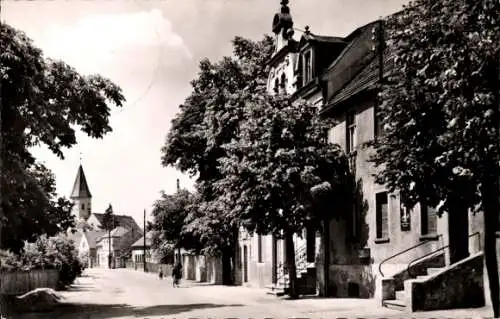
(109, 223)
(280, 153)
(208, 119)
(169, 218)
(440, 107)
(42, 102)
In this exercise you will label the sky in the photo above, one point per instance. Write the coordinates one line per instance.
(151, 49)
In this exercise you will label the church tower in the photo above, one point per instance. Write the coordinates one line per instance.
(281, 79)
(81, 196)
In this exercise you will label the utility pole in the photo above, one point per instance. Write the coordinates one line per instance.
(178, 248)
(144, 242)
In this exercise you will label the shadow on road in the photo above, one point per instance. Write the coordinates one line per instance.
(108, 311)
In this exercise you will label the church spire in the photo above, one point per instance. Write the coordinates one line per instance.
(80, 187)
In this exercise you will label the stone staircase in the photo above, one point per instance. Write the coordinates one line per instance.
(400, 302)
(430, 283)
(306, 276)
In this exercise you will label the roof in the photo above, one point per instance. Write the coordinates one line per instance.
(120, 220)
(119, 231)
(320, 38)
(364, 80)
(80, 187)
(93, 236)
(140, 241)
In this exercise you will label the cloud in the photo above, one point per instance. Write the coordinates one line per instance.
(95, 41)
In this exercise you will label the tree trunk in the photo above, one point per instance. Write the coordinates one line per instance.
(326, 258)
(292, 269)
(179, 258)
(490, 193)
(458, 230)
(226, 267)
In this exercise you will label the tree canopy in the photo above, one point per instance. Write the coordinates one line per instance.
(208, 119)
(43, 102)
(440, 107)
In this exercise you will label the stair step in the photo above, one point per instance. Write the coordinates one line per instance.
(394, 304)
(432, 271)
(400, 295)
(423, 277)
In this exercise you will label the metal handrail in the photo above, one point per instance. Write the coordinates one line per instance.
(402, 252)
(439, 249)
(300, 253)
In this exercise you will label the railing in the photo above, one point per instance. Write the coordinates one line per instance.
(402, 252)
(300, 265)
(437, 250)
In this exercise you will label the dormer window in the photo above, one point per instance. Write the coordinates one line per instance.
(307, 65)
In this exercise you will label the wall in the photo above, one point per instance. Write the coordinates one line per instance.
(214, 270)
(21, 282)
(464, 293)
(398, 240)
(259, 273)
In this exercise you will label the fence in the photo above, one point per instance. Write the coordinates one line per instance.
(21, 282)
(151, 267)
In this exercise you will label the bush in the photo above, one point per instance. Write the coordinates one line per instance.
(46, 253)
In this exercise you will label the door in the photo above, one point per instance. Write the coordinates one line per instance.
(245, 263)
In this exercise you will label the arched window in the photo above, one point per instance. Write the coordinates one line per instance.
(283, 82)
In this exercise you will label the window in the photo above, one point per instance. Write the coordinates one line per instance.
(307, 67)
(382, 227)
(428, 220)
(259, 248)
(276, 85)
(83, 206)
(283, 83)
(350, 132)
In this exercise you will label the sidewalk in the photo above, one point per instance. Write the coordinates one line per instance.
(325, 307)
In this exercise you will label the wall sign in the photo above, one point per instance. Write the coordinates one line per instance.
(405, 219)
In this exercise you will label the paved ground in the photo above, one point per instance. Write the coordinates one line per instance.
(122, 293)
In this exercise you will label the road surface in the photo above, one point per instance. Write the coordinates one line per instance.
(124, 293)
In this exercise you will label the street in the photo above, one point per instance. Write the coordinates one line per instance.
(124, 293)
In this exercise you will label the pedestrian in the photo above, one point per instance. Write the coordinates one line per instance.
(177, 274)
(160, 274)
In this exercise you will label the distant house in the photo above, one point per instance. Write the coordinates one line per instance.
(89, 237)
(138, 251)
(118, 242)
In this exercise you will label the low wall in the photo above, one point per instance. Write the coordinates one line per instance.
(21, 282)
(214, 270)
(152, 268)
(460, 286)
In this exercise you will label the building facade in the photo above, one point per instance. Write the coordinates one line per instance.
(379, 238)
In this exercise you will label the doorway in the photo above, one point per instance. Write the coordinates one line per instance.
(245, 263)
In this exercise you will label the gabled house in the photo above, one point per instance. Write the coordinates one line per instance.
(138, 249)
(296, 69)
(119, 243)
